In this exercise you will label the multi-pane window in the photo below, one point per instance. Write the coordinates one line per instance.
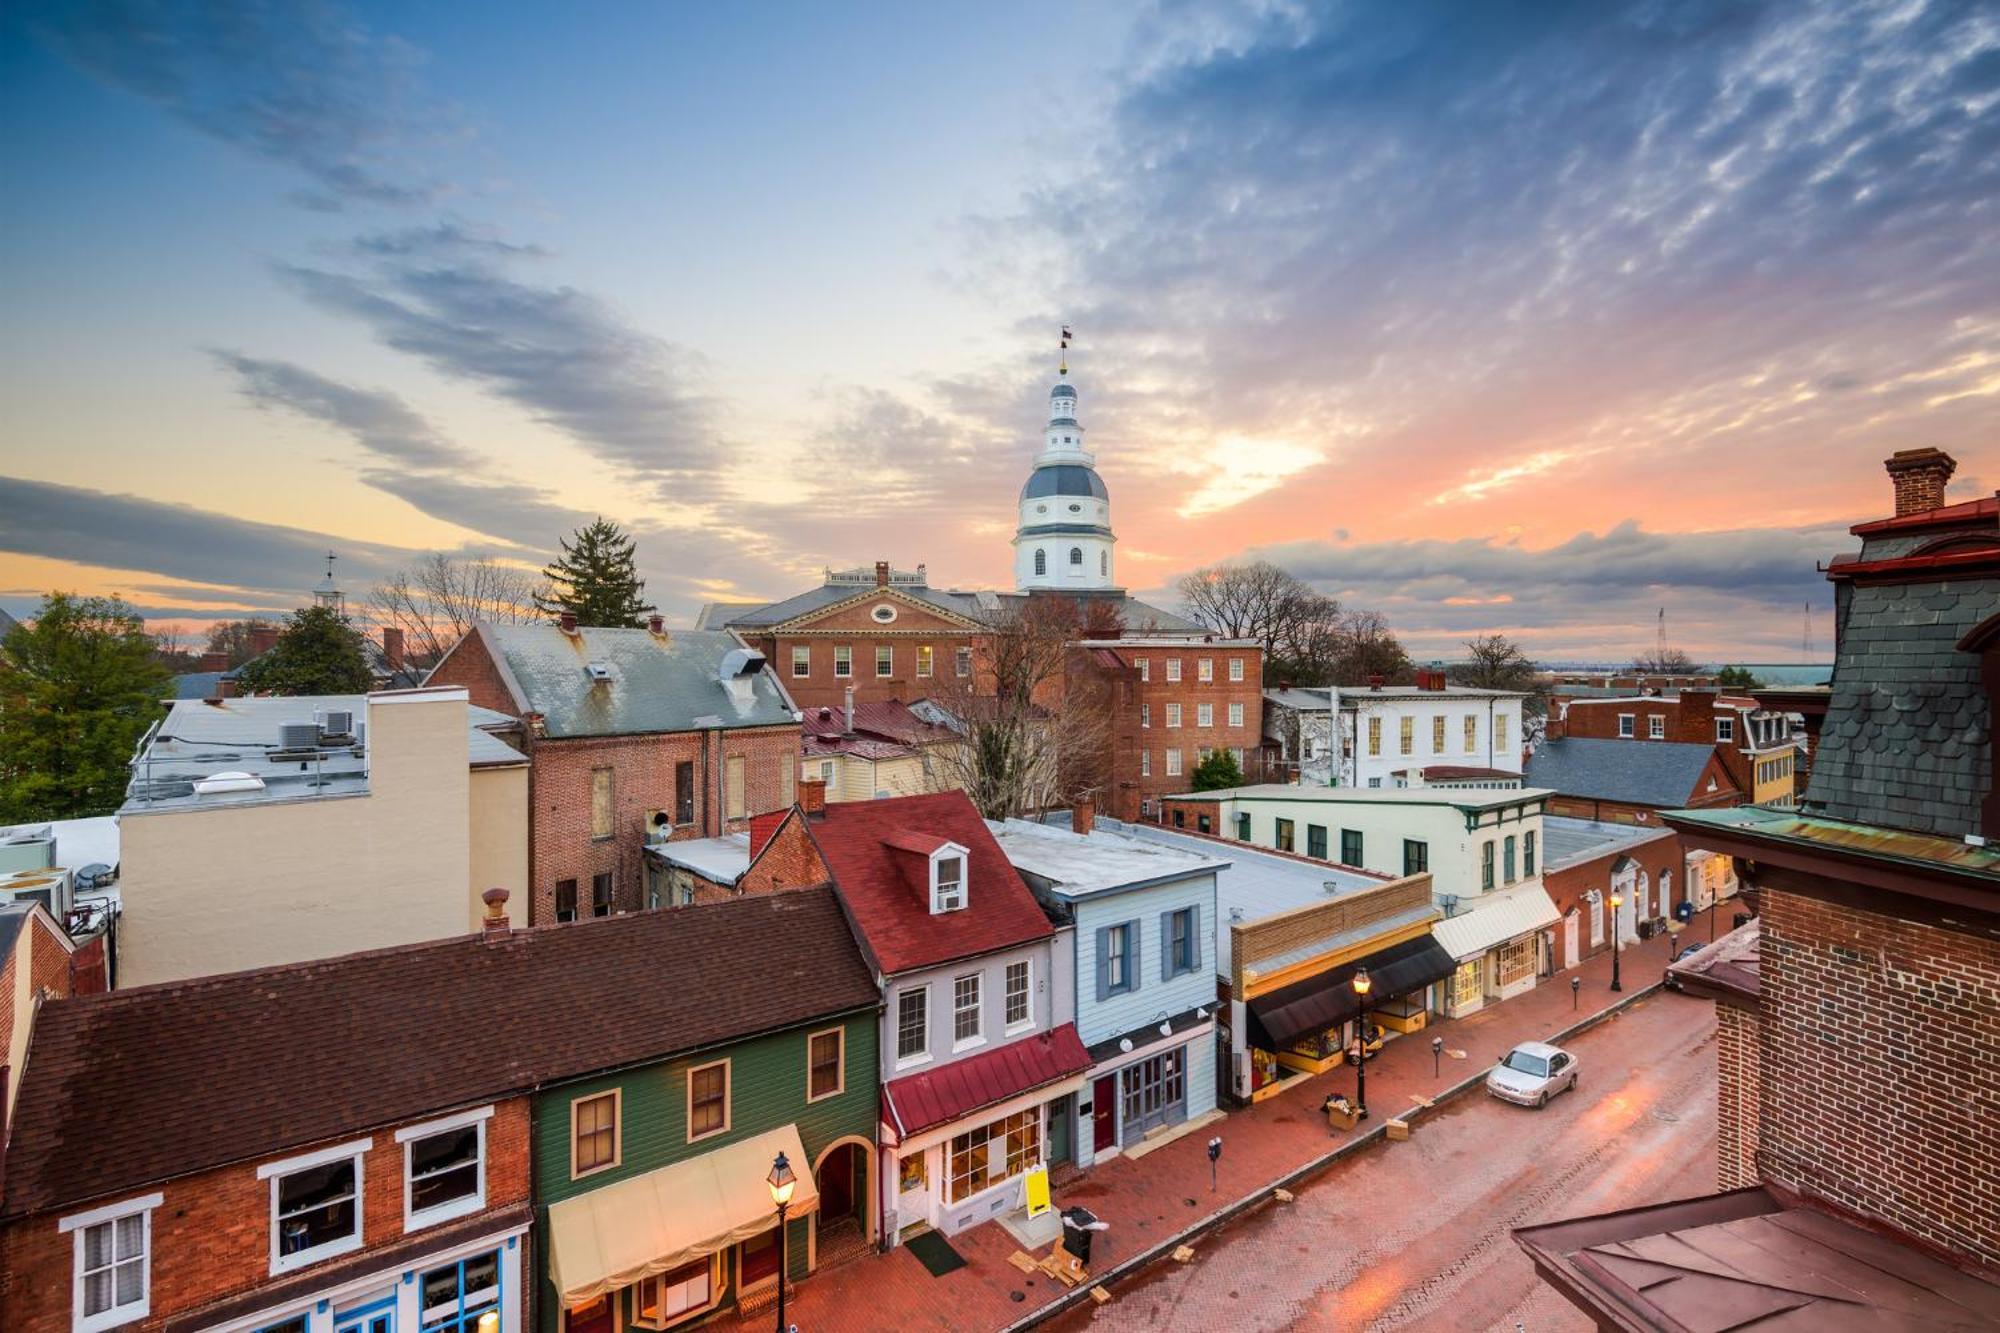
(1374, 736)
(112, 1276)
(1173, 669)
(1145, 715)
(1145, 665)
(1472, 733)
(885, 659)
(1173, 763)
(1725, 730)
(315, 1212)
(445, 1172)
(825, 1053)
(964, 660)
(913, 1022)
(1416, 856)
(925, 654)
(565, 900)
(948, 892)
(965, 1008)
(684, 792)
(1236, 715)
(802, 660)
(600, 803)
(1017, 993)
(1236, 668)
(1316, 841)
(843, 660)
(1350, 847)
(600, 894)
(1486, 865)
(1182, 953)
(1499, 731)
(1173, 715)
(1406, 735)
(1204, 715)
(1282, 838)
(456, 1297)
(1204, 669)
(1437, 734)
(1528, 853)
(662, 1300)
(1117, 960)
(1145, 763)
(1656, 726)
(1625, 725)
(994, 1153)
(593, 1133)
(708, 1100)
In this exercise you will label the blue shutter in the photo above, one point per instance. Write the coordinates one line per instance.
(1104, 963)
(1166, 946)
(1132, 944)
(1194, 934)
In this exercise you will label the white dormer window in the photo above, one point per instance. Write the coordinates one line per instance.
(947, 879)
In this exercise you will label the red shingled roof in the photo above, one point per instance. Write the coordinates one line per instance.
(142, 1085)
(918, 1102)
(869, 847)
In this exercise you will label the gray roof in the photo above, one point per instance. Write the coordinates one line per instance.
(1656, 773)
(196, 684)
(826, 594)
(1102, 861)
(656, 683)
(1352, 695)
(1566, 841)
(1306, 698)
(974, 604)
(13, 916)
(1064, 479)
(719, 860)
(1062, 391)
(721, 615)
(1906, 742)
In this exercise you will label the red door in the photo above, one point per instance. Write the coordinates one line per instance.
(836, 1183)
(1104, 1113)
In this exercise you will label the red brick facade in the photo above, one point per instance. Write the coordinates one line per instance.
(790, 859)
(1738, 1095)
(1661, 859)
(1146, 738)
(211, 1233)
(1879, 1080)
(853, 625)
(469, 664)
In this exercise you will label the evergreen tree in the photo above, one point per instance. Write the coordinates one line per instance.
(1218, 772)
(317, 653)
(77, 688)
(1738, 678)
(595, 579)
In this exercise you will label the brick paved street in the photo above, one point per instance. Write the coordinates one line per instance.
(1148, 1200)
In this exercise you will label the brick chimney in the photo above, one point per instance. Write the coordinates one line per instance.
(1374, 682)
(1083, 815)
(567, 620)
(881, 573)
(392, 647)
(263, 638)
(812, 797)
(656, 623)
(214, 662)
(1919, 476)
(495, 925)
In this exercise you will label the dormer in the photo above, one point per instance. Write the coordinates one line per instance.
(935, 867)
(948, 887)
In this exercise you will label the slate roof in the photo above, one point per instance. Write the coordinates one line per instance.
(1657, 773)
(196, 684)
(659, 683)
(978, 604)
(136, 1086)
(887, 888)
(917, 1102)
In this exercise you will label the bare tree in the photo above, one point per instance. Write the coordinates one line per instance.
(1495, 662)
(435, 603)
(1664, 662)
(1258, 601)
(1034, 726)
(233, 638)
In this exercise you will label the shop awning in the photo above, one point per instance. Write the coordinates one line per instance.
(1299, 1010)
(614, 1236)
(1495, 918)
(918, 1102)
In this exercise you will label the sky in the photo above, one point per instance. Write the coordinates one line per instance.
(1530, 318)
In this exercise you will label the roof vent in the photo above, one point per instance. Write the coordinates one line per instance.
(599, 673)
(739, 662)
(217, 783)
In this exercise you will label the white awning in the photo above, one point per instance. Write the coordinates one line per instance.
(614, 1236)
(1492, 919)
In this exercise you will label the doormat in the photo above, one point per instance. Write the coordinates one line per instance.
(934, 1252)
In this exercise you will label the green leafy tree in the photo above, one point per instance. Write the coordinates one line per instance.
(1217, 772)
(78, 687)
(317, 653)
(1738, 678)
(596, 578)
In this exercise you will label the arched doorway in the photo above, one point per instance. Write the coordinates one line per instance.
(844, 1175)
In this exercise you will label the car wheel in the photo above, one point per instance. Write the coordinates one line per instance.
(1541, 1101)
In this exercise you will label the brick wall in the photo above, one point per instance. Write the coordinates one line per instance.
(211, 1237)
(468, 664)
(1254, 941)
(642, 768)
(1739, 1090)
(1139, 720)
(790, 860)
(1568, 886)
(1880, 1086)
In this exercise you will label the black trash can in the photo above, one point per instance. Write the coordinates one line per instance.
(1684, 912)
(1078, 1223)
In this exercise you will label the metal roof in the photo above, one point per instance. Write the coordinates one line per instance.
(1064, 479)
(1657, 773)
(1080, 865)
(1306, 698)
(718, 860)
(656, 682)
(1461, 798)
(1566, 841)
(1872, 840)
(917, 1102)
(1485, 920)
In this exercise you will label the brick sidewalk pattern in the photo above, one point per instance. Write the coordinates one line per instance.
(1152, 1199)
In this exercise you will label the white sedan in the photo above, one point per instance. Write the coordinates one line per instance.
(1532, 1073)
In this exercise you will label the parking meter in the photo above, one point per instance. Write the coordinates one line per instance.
(1214, 1155)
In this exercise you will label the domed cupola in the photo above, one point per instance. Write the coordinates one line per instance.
(1064, 539)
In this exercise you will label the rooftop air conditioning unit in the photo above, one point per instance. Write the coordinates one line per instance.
(296, 736)
(339, 722)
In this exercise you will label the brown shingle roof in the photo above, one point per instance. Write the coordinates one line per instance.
(147, 1084)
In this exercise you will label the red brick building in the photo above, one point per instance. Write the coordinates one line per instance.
(1754, 743)
(633, 737)
(1857, 1148)
(1170, 703)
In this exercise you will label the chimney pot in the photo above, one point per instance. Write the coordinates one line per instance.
(496, 912)
(392, 647)
(1083, 815)
(850, 711)
(657, 623)
(1374, 682)
(214, 662)
(1919, 476)
(812, 797)
(568, 622)
(881, 573)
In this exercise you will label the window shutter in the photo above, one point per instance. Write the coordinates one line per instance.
(1194, 934)
(1103, 963)
(1133, 945)
(1166, 945)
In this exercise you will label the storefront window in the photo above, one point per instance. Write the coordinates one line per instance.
(456, 1295)
(1155, 1092)
(659, 1301)
(1517, 959)
(1465, 984)
(994, 1153)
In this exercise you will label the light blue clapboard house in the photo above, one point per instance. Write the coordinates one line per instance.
(1143, 966)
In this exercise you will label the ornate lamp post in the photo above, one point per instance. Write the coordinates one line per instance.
(1617, 901)
(782, 1181)
(1361, 988)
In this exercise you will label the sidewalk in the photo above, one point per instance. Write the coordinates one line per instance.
(1149, 1200)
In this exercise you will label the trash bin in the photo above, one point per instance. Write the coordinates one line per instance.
(1078, 1223)
(1685, 911)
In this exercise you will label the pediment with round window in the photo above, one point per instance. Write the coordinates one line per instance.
(883, 613)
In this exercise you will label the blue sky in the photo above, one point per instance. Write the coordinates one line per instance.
(1530, 317)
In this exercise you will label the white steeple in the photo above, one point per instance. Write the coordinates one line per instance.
(1064, 539)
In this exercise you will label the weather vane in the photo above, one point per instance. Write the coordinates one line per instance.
(1062, 367)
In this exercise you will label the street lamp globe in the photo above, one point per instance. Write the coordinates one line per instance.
(1362, 983)
(782, 1181)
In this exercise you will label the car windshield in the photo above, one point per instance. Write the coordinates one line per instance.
(1524, 1063)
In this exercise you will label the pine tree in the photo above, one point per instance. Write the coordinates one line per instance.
(1218, 772)
(317, 653)
(595, 579)
(77, 687)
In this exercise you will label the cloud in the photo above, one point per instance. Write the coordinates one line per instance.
(302, 84)
(382, 422)
(451, 239)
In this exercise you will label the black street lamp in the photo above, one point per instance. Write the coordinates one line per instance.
(1361, 987)
(1617, 901)
(781, 1180)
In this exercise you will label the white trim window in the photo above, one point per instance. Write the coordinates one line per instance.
(1204, 715)
(843, 661)
(1725, 730)
(444, 1168)
(1173, 715)
(1204, 669)
(1145, 665)
(948, 878)
(966, 1026)
(315, 1205)
(1235, 668)
(1236, 717)
(1173, 669)
(1173, 763)
(1145, 715)
(112, 1271)
(963, 658)
(1627, 725)
(1656, 727)
(1145, 763)
(1020, 1011)
(802, 661)
(913, 1023)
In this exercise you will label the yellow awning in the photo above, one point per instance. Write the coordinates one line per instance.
(614, 1236)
